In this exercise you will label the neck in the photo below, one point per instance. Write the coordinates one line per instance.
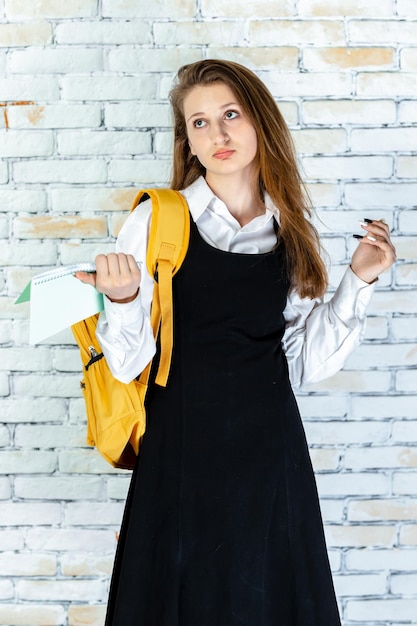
(239, 196)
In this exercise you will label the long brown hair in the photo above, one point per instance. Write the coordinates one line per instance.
(277, 174)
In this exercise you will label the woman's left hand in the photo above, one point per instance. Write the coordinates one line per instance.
(375, 252)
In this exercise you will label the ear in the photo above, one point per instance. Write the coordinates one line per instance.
(190, 145)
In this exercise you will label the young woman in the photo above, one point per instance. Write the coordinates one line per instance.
(222, 525)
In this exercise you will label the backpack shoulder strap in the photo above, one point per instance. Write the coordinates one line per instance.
(167, 246)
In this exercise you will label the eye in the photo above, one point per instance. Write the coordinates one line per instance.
(231, 115)
(199, 123)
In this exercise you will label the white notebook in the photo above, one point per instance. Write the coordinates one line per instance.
(58, 300)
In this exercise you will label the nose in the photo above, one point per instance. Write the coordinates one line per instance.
(219, 134)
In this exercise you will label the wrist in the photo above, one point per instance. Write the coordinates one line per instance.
(124, 300)
(362, 276)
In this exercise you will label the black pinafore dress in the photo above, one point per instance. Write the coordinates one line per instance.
(222, 525)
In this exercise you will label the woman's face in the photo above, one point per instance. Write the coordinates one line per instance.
(219, 133)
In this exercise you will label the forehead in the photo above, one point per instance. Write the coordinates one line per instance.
(205, 97)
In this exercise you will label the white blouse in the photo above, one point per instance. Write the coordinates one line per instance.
(319, 335)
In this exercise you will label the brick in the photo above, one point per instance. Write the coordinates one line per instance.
(28, 514)
(383, 356)
(308, 84)
(84, 462)
(104, 32)
(406, 381)
(403, 584)
(137, 9)
(407, 8)
(407, 111)
(381, 560)
(382, 31)
(319, 141)
(382, 510)
(117, 487)
(87, 514)
(404, 431)
(92, 199)
(79, 143)
(29, 34)
(383, 407)
(384, 140)
(324, 194)
(353, 484)
(408, 60)
(140, 171)
(347, 167)
(347, 221)
(354, 382)
(64, 227)
(27, 462)
(60, 171)
(196, 33)
(260, 8)
(74, 253)
(408, 535)
(322, 406)
(23, 409)
(62, 590)
(127, 59)
(4, 437)
(86, 564)
(389, 608)
(4, 383)
(50, 8)
(33, 564)
(6, 590)
(332, 510)
(51, 436)
(67, 360)
(386, 84)
(329, 8)
(380, 457)
(404, 328)
(347, 58)
(359, 536)
(4, 490)
(404, 483)
(86, 615)
(325, 459)
(32, 615)
(407, 168)
(349, 112)
(59, 488)
(62, 386)
(284, 58)
(61, 60)
(338, 432)
(26, 359)
(28, 253)
(137, 115)
(11, 540)
(17, 200)
(406, 274)
(64, 540)
(28, 88)
(107, 87)
(55, 116)
(296, 32)
(380, 195)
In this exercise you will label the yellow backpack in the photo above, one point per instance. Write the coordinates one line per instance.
(116, 417)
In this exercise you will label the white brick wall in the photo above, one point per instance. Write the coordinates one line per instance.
(83, 122)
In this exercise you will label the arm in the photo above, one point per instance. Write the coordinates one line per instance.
(320, 336)
(124, 329)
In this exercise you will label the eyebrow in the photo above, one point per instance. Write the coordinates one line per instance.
(224, 106)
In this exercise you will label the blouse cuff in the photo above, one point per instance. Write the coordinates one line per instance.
(352, 297)
(126, 315)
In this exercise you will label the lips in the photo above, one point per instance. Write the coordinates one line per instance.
(223, 154)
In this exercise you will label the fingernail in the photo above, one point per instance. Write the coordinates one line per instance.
(363, 224)
(357, 236)
(371, 238)
(368, 221)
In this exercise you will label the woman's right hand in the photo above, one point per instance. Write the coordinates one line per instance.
(117, 276)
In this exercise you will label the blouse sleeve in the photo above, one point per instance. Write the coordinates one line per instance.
(124, 330)
(319, 335)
